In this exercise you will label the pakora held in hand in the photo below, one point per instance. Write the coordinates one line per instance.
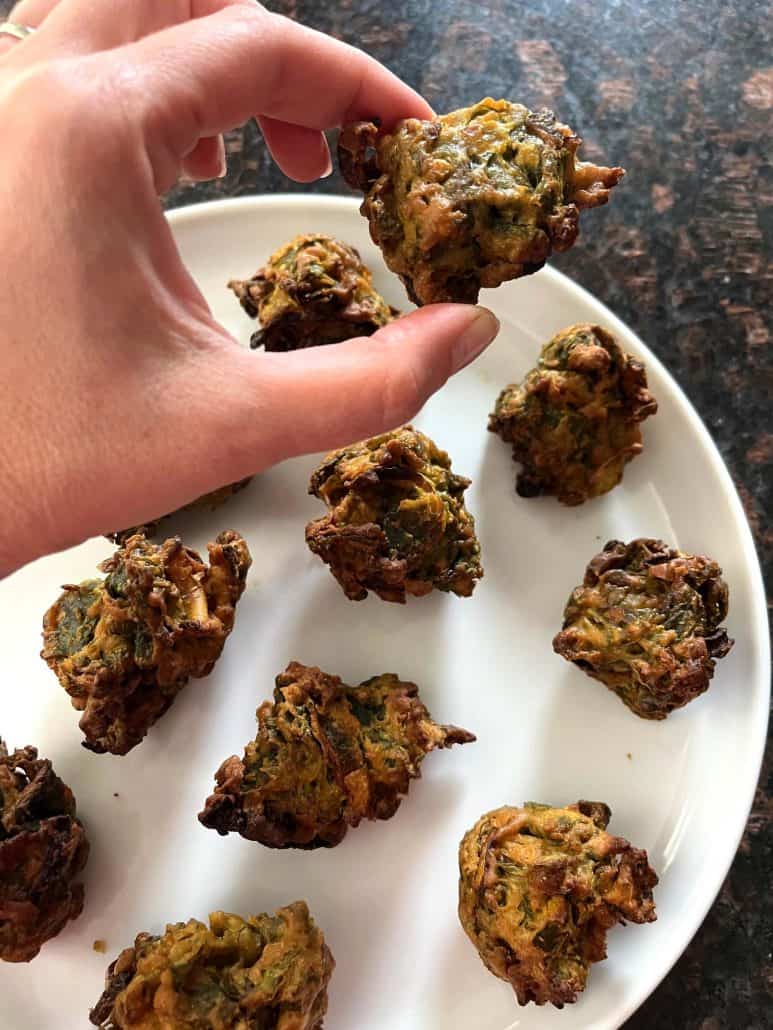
(315, 290)
(259, 973)
(325, 757)
(472, 198)
(397, 523)
(646, 622)
(539, 888)
(214, 499)
(43, 848)
(124, 646)
(574, 422)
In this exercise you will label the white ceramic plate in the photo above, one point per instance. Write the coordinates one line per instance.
(386, 897)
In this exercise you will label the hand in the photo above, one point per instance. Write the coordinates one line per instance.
(121, 397)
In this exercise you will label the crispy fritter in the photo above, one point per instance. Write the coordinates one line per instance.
(124, 646)
(326, 756)
(43, 848)
(314, 290)
(539, 888)
(472, 198)
(574, 421)
(646, 623)
(397, 523)
(214, 499)
(260, 973)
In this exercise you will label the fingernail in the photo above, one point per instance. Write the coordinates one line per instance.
(221, 159)
(328, 160)
(480, 331)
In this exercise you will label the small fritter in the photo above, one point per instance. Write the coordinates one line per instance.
(472, 198)
(397, 523)
(326, 756)
(313, 291)
(646, 623)
(43, 848)
(211, 501)
(260, 973)
(539, 888)
(124, 646)
(574, 422)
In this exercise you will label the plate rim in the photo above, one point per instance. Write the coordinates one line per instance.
(189, 214)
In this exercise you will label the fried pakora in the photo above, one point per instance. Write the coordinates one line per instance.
(43, 848)
(325, 757)
(539, 888)
(314, 290)
(397, 523)
(645, 622)
(214, 499)
(124, 646)
(260, 973)
(473, 198)
(574, 422)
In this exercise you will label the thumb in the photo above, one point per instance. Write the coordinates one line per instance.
(325, 397)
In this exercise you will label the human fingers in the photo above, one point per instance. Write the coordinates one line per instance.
(86, 26)
(213, 73)
(281, 405)
(30, 13)
(301, 153)
(206, 161)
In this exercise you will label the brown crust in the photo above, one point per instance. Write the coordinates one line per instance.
(574, 422)
(397, 523)
(314, 290)
(473, 198)
(259, 973)
(326, 756)
(645, 623)
(125, 646)
(43, 848)
(539, 889)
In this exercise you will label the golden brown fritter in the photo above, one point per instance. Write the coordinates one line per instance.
(260, 973)
(646, 622)
(539, 888)
(472, 198)
(43, 848)
(214, 499)
(397, 523)
(326, 756)
(314, 290)
(574, 422)
(124, 646)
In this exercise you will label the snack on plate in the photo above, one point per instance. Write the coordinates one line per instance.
(397, 522)
(539, 888)
(326, 756)
(646, 622)
(259, 973)
(314, 290)
(43, 849)
(124, 646)
(574, 422)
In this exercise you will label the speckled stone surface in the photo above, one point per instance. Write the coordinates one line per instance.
(681, 94)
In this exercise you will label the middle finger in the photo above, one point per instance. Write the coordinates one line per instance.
(93, 25)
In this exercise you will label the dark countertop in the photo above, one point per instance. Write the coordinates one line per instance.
(682, 96)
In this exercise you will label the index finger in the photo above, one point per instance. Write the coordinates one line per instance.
(209, 75)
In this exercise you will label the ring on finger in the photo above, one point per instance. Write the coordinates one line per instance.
(12, 28)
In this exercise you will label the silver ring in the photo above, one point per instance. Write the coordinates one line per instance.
(10, 28)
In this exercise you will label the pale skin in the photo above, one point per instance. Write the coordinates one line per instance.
(120, 396)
